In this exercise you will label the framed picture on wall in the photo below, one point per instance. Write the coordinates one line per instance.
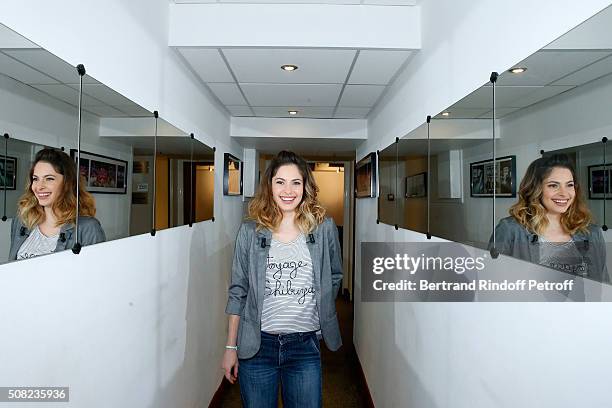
(484, 174)
(365, 177)
(599, 182)
(8, 172)
(416, 186)
(232, 175)
(102, 174)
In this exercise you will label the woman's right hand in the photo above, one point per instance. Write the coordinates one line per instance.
(230, 365)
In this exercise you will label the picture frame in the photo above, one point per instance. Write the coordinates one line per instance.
(366, 171)
(600, 186)
(232, 175)
(102, 174)
(8, 173)
(415, 186)
(481, 177)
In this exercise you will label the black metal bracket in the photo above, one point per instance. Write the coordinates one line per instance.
(156, 114)
(604, 227)
(396, 227)
(428, 119)
(213, 219)
(541, 151)
(377, 221)
(494, 253)
(428, 235)
(153, 232)
(604, 139)
(397, 140)
(493, 77)
(76, 249)
(81, 70)
(191, 136)
(6, 135)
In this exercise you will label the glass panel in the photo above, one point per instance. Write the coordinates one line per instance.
(37, 110)
(117, 145)
(387, 195)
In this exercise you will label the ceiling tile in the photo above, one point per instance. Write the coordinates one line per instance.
(133, 110)
(361, 95)
(228, 94)
(377, 67)
(66, 94)
(104, 94)
(239, 110)
(546, 66)
(207, 63)
(315, 66)
(462, 113)
(593, 71)
(505, 97)
(540, 94)
(499, 113)
(21, 72)
(351, 113)
(303, 112)
(292, 94)
(51, 65)
(105, 111)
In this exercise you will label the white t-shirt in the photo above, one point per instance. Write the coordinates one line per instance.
(37, 244)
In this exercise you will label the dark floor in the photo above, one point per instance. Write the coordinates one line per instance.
(341, 383)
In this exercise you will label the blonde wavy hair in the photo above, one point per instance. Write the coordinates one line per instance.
(266, 213)
(31, 213)
(529, 210)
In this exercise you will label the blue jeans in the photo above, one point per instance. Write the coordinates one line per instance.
(294, 361)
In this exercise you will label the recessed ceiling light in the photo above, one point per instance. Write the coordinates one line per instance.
(289, 67)
(445, 113)
(293, 112)
(517, 70)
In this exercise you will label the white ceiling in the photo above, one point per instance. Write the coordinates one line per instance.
(305, 146)
(549, 73)
(329, 83)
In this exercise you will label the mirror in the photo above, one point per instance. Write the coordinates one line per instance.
(232, 175)
(39, 99)
(387, 177)
(555, 101)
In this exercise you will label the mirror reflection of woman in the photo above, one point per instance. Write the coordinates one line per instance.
(46, 211)
(551, 224)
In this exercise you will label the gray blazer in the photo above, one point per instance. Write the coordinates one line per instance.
(90, 232)
(246, 291)
(515, 240)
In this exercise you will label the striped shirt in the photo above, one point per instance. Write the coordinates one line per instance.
(290, 304)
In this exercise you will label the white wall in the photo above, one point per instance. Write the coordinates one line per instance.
(482, 354)
(164, 348)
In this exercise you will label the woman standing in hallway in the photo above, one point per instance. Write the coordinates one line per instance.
(551, 225)
(286, 273)
(47, 210)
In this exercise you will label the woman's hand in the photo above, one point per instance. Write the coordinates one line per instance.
(230, 365)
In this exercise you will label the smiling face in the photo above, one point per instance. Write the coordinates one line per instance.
(558, 191)
(46, 184)
(288, 188)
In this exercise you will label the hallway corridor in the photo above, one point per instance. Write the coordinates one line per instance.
(341, 382)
